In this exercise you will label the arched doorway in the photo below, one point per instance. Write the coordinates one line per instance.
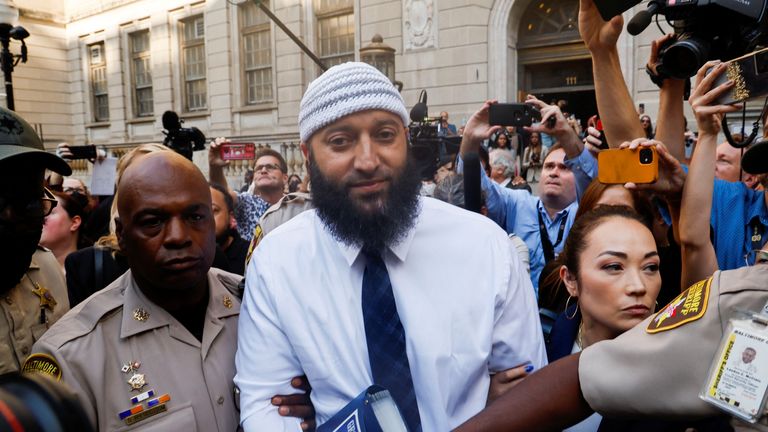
(552, 61)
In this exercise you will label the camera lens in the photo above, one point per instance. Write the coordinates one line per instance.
(684, 58)
(646, 156)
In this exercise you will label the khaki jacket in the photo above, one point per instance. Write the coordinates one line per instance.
(118, 337)
(20, 316)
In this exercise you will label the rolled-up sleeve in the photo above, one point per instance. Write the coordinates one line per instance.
(584, 168)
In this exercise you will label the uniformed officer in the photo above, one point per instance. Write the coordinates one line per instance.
(33, 292)
(155, 349)
(655, 369)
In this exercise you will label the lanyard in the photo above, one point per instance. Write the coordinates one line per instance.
(549, 248)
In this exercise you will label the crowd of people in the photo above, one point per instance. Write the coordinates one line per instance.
(181, 303)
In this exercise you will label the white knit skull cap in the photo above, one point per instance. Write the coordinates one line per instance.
(346, 89)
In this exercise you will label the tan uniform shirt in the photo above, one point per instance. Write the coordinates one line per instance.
(659, 367)
(118, 335)
(284, 210)
(20, 316)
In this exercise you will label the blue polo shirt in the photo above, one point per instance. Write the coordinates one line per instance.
(734, 208)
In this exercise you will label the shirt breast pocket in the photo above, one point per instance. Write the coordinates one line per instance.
(177, 419)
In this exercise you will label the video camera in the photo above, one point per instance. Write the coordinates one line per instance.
(428, 147)
(181, 140)
(705, 29)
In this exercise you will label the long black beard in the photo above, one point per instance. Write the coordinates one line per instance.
(373, 232)
(16, 255)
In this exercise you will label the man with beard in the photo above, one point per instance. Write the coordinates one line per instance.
(32, 287)
(232, 248)
(418, 296)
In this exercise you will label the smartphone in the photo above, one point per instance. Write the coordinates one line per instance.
(238, 151)
(619, 166)
(83, 152)
(603, 139)
(512, 114)
(750, 76)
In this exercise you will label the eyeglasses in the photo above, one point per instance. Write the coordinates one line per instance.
(268, 167)
(34, 208)
(71, 190)
(756, 257)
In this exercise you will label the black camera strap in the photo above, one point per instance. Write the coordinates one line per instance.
(546, 243)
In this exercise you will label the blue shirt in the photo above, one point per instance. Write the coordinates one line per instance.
(248, 211)
(517, 211)
(734, 207)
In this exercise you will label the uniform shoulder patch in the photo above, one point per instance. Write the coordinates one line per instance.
(258, 234)
(689, 306)
(42, 364)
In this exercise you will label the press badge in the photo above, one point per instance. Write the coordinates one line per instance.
(738, 378)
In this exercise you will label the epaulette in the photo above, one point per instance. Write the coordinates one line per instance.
(85, 316)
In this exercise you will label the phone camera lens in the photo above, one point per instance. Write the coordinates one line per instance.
(646, 156)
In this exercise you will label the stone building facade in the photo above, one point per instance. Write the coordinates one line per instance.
(104, 71)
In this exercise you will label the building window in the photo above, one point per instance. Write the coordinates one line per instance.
(98, 70)
(193, 61)
(141, 78)
(257, 54)
(335, 31)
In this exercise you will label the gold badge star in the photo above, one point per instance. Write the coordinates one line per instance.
(227, 302)
(46, 298)
(137, 382)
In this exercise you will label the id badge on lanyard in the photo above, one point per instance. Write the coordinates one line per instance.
(738, 377)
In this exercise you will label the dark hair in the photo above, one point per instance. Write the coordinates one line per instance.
(592, 194)
(552, 292)
(76, 204)
(266, 151)
(227, 196)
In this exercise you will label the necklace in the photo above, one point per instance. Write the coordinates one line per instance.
(579, 340)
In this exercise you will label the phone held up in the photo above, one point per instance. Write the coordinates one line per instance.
(515, 114)
(619, 166)
(238, 151)
(82, 152)
(749, 74)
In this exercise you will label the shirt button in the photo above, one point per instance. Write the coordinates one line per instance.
(220, 400)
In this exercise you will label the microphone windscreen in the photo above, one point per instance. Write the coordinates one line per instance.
(418, 112)
(170, 120)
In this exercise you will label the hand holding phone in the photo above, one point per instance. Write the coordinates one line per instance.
(512, 114)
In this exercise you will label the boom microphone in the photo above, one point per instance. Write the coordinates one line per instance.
(472, 190)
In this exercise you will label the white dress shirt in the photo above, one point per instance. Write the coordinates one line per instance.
(465, 302)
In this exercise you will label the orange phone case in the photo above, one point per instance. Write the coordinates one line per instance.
(619, 166)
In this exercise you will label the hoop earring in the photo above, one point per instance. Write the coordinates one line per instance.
(567, 305)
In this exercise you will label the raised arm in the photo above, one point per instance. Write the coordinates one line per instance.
(670, 123)
(614, 103)
(216, 166)
(699, 259)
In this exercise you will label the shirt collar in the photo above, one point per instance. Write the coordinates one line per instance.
(399, 250)
(140, 314)
(562, 213)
